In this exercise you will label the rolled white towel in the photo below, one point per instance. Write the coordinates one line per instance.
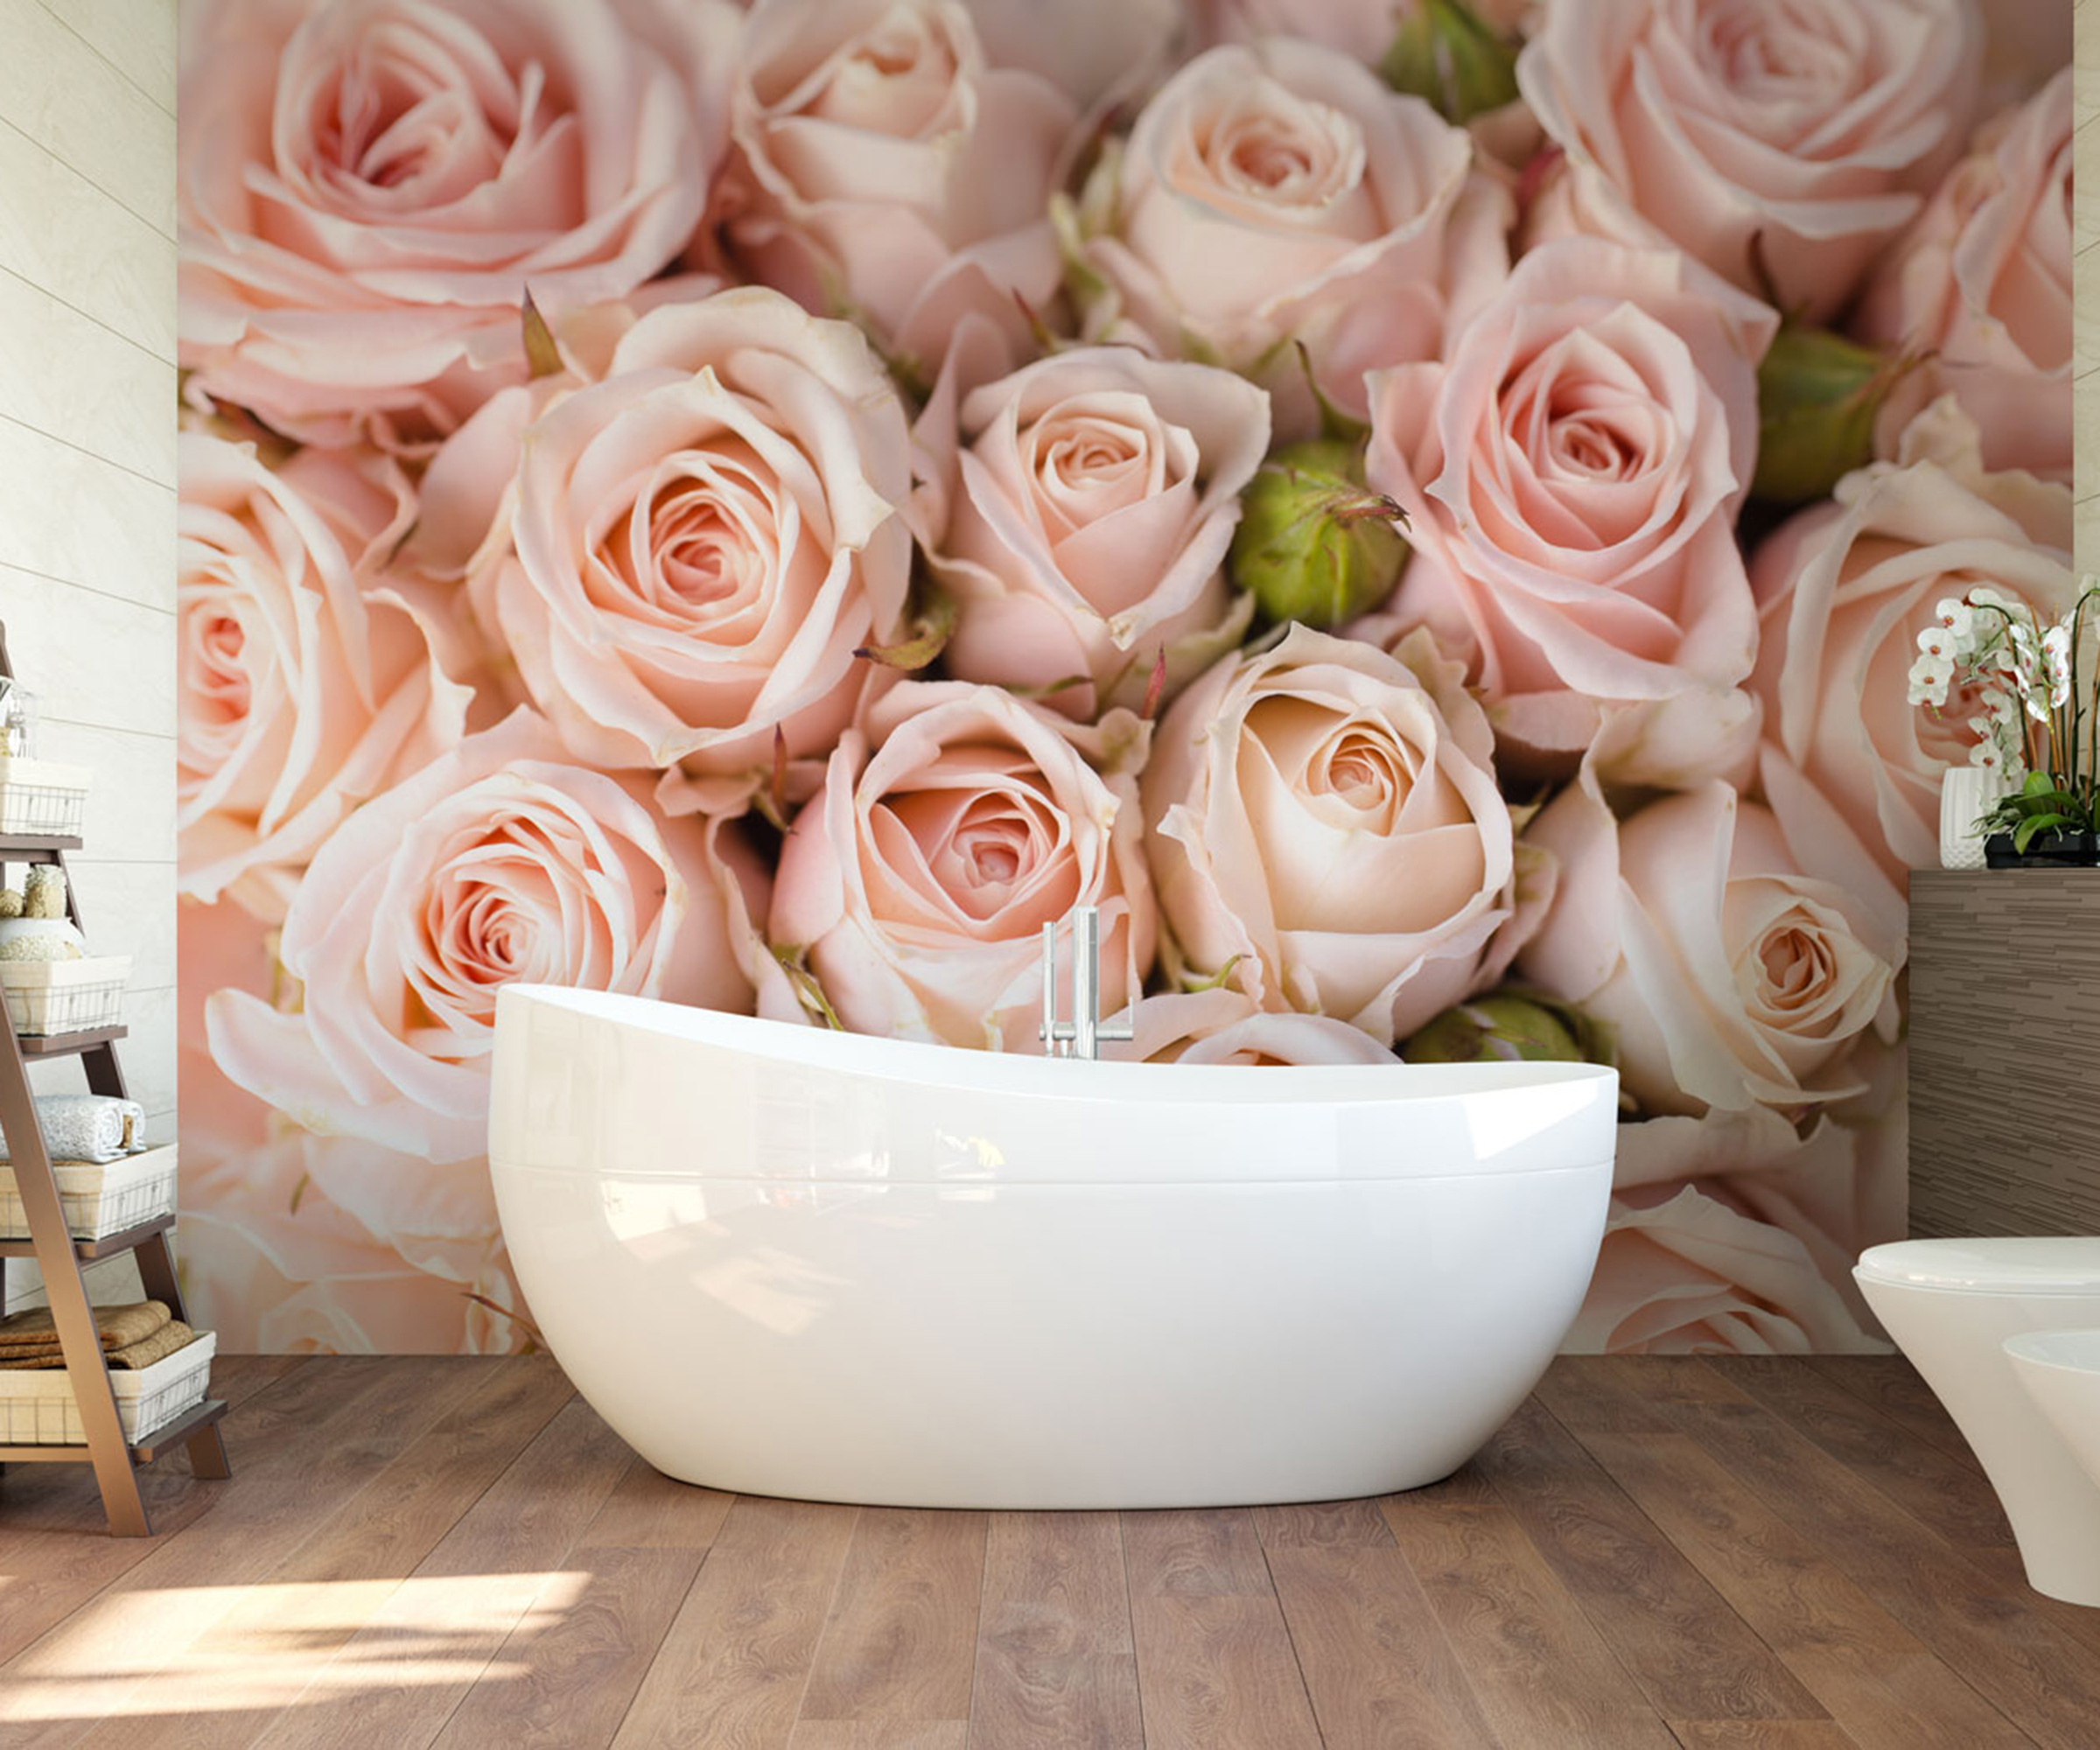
(96, 1127)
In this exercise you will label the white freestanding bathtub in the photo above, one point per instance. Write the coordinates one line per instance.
(791, 1261)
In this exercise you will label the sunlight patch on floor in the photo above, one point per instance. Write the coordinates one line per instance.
(261, 1647)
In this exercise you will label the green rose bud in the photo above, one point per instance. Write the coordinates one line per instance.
(1447, 54)
(1508, 1028)
(1818, 396)
(1314, 543)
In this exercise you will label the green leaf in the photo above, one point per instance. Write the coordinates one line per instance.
(2034, 825)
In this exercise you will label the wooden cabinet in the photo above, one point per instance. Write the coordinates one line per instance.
(2005, 1052)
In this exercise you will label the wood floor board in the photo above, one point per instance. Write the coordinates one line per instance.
(733, 1665)
(1866, 1670)
(1935, 1488)
(352, 1418)
(2042, 1678)
(1377, 1664)
(850, 1734)
(1693, 1655)
(900, 1641)
(1323, 1525)
(1723, 1554)
(568, 1674)
(504, 1565)
(1892, 1385)
(1541, 1672)
(1761, 1734)
(1216, 1669)
(342, 1576)
(1056, 1664)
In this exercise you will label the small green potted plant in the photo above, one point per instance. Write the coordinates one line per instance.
(2034, 690)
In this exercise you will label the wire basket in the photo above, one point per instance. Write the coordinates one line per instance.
(100, 1200)
(42, 799)
(45, 996)
(38, 1407)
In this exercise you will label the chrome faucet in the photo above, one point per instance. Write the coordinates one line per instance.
(1084, 1034)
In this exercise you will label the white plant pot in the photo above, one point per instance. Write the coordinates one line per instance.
(1966, 792)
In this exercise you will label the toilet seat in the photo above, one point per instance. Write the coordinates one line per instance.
(1987, 1266)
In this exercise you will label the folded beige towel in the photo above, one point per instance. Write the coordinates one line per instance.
(170, 1337)
(33, 1332)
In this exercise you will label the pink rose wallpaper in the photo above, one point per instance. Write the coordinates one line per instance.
(765, 506)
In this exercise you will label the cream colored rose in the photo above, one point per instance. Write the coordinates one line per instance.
(885, 171)
(949, 829)
(1844, 588)
(367, 188)
(1680, 1272)
(1281, 194)
(1792, 141)
(1324, 822)
(1573, 467)
(1222, 1025)
(306, 684)
(500, 862)
(1733, 977)
(700, 543)
(1094, 495)
(1982, 283)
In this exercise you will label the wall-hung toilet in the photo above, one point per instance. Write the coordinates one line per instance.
(1951, 1305)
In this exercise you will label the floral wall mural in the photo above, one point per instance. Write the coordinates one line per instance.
(1422, 512)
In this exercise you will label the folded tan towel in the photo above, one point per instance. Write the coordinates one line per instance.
(170, 1337)
(33, 1332)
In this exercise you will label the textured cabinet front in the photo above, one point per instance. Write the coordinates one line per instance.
(2005, 1052)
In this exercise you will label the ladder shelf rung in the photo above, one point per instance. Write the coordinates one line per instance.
(89, 1250)
(65, 1044)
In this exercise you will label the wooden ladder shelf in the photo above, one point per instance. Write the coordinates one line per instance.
(59, 1255)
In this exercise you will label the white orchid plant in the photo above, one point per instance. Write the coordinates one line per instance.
(2034, 691)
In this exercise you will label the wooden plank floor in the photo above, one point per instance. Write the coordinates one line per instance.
(1798, 1554)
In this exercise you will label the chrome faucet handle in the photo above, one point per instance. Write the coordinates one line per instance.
(1083, 1034)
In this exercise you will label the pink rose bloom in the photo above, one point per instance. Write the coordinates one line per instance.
(1325, 823)
(277, 1240)
(1682, 1273)
(306, 687)
(886, 171)
(1844, 588)
(1572, 468)
(367, 189)
(1096, 51)
(1282, 193)
(701, 543)
(1222, 1025)
(292, 1242)
(1841, 1186)
(1983, 282)
(499, 863)
(1782, 140)
(1361, 29)
(1733, 976)
(949, 829)
(1094, 495)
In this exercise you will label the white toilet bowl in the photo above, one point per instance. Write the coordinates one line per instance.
(2060, 1370)
(1951, 1305)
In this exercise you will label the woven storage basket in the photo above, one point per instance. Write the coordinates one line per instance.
(38, 1408)
(99, 1200)
(47, 997)
(42, 799)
